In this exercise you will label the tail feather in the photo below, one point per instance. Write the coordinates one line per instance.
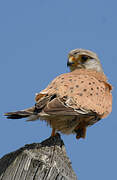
(21, 114)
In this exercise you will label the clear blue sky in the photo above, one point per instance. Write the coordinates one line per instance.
(35, 38)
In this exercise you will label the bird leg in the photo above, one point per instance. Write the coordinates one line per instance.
(53, 132)
(80, 132)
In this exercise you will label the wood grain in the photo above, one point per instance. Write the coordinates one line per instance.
(38, 161)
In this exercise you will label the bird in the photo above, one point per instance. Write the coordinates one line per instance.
(75, 100)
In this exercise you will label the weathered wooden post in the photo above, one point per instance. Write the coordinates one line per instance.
(38, 161)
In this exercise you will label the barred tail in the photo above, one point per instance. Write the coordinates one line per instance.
(21, 114)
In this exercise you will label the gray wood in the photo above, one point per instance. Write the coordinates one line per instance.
(38, 161)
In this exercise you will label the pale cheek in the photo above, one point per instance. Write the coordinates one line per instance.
(94, 66)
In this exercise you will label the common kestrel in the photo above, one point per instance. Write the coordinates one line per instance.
(75, 100)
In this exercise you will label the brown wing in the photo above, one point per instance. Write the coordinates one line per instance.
(89, 90)
(76, 101)
(63, 118)
(54, 105)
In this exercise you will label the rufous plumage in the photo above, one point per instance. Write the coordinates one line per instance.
(75, 100)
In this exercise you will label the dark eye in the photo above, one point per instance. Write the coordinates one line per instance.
(75, 52)
(84, 58)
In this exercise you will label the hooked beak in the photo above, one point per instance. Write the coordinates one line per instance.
(71, 61)
(74, 63)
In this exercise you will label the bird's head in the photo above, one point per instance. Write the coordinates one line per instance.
(83, 59)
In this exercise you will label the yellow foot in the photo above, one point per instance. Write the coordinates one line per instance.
(53, 132)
